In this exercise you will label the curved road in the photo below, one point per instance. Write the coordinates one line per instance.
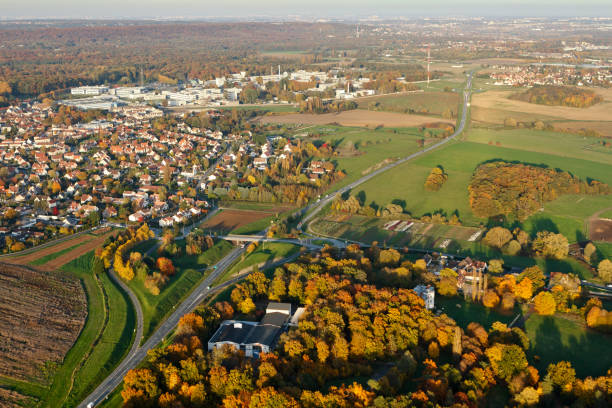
(137, 307)
(138, 354)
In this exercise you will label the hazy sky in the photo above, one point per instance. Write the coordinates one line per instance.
(312, 8)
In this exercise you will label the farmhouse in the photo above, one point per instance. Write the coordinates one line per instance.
(253, 338)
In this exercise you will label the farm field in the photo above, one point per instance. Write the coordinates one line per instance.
(230, 219)
(190, 270)
(425, 103)
(41, 316)
(494, 107)
(554, 336)
(459, 160)
(499, 100)
(361, 151)
(52, 257)
(356, 117)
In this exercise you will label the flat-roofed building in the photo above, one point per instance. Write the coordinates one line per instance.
(253, 338)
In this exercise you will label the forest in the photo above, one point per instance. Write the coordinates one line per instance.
(559, 96)
(504, 188)
(364, 340)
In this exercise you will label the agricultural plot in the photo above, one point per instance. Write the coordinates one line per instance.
(493, 107)
(410, 233)
(230, 220)
(41, 316)
(357, 117)
(567, 214)
(425, 103)
(52, 257)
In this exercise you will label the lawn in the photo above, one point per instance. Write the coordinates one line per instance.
(103, 350)
(554, 338)
(190, 271)
(471, 312)
(265, 253)
(459, 160)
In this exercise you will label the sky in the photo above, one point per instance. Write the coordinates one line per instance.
(275, 9)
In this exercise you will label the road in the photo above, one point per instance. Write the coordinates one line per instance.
(137, 306)
(137, 354)
(315, 208)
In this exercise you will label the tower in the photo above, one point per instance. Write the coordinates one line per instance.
(357, 33)
(428, 63)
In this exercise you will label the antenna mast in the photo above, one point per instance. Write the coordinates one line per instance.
(428, 63)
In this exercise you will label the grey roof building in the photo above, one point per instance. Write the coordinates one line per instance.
(253, 337)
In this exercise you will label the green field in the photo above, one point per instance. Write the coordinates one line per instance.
(554, 338)
(190, 270)
(427, 103)
(371, 147)
(459, 159)
(266, 252)
(96, 352)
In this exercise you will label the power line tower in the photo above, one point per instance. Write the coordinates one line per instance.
(428, 63)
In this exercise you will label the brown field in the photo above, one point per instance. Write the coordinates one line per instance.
(63, 259)
(357, 117)
(41, 316)
(605, 128)
(87, 240)
(600, 229)
(228, 220)
(10, 399)
(494, 107)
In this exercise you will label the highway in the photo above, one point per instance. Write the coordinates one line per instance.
(137, 354)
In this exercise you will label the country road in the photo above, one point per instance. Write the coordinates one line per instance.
(315, 208)
(138, 354)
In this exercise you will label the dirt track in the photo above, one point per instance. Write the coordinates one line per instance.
(357, 117)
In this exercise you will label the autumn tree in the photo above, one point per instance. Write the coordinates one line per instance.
(604, 270)
(535, 275)
(497, 237)
(165, 266)
(544, 303)
(589, 251)
(550, 245)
